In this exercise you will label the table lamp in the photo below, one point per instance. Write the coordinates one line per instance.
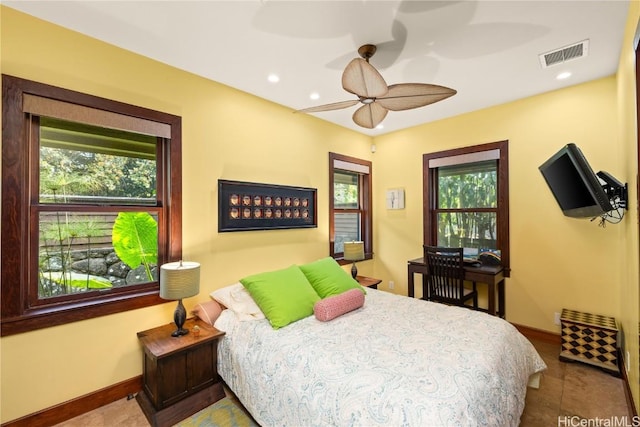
(179, 280)
(354, 251)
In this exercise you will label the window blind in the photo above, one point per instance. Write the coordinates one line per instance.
(53, 108)
(464, 158)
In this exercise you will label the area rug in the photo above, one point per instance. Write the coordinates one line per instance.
(224, 413)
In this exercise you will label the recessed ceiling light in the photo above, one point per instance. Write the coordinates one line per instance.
(380, 126)
(314, 95)
(273, 78)
(563, 76)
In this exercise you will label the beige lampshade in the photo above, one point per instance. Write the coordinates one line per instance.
(353, 251)
(179, 280)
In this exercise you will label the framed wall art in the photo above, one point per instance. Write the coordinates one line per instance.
(244, 206)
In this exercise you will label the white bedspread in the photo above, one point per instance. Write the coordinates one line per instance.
(397, 361)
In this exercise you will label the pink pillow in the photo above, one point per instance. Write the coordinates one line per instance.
(337, 305)
(208, 311)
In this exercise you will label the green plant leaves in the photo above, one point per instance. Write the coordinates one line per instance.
(135, 239)
(79, 280)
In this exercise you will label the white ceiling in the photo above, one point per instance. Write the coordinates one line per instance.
(487, 50)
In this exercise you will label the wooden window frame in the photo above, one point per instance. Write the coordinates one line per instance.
(19, 171)
(430, 199)
(365, 202)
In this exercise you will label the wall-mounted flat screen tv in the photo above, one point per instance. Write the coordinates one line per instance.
(576, 188)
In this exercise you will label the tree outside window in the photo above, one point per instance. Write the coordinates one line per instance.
(467, 205)
(91, 205)
(82, 251)
(467, 199)
(350, 203)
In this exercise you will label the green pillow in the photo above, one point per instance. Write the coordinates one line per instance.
(284, 296)
(328, 278)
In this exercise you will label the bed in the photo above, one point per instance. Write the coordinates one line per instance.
(395, 361)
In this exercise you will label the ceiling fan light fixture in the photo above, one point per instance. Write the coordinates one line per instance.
(367, 51)
(361, 79)
(369, 115)
(377, 98)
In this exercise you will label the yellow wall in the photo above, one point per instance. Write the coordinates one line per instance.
(628, 128)
(227, 134)
(556, 261)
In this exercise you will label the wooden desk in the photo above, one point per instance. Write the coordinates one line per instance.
(489, 274)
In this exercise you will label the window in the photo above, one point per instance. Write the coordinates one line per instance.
(91, 205)
(349, 204)
(467, 196)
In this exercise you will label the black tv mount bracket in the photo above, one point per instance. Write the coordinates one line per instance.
(614, 189)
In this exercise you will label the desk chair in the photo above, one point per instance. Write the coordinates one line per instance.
(446, 277)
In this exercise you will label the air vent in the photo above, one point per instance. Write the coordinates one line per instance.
(562, 55)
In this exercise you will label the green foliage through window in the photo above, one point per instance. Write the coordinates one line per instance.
(135, 240)
(350, 207)
(71, 163)
(345, 190)
(467, 202)
(346, 205)
(88, 165)
(85, 164)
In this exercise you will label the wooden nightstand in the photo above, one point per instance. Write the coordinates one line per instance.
(368, 282)
(179, 374)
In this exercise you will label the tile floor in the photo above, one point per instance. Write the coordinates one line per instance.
(574, 394)
(570, 394)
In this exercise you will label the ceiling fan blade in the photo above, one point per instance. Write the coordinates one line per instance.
(405, 96)
(329, 107)
(369, 115)
(360, 78)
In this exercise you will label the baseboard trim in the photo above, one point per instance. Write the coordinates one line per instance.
(627, 387)
(80, 405)
(539, 334)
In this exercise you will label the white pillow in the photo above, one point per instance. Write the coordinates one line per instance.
(236, 298)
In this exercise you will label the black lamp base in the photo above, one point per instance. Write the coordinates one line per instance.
(179, 317)
(354, 270)
(179, 332)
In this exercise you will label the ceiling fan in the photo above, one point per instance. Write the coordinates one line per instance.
(363, 80)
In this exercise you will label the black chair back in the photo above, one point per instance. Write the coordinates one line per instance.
(446, 276)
